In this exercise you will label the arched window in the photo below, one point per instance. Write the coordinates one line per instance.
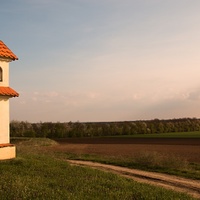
(1, 74)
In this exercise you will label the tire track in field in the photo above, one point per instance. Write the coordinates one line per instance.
(179, 184)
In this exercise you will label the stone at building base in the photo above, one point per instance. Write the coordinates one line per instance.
(7, 151)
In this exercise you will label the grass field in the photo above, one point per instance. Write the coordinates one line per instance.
(39, 174)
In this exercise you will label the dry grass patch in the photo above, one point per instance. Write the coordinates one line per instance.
(155, 159)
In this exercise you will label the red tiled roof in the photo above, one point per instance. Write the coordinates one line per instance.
(7, 91)
(5, 52)
(6, 145)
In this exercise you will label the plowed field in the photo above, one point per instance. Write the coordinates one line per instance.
(185, 148)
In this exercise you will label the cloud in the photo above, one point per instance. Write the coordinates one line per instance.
(194, 95)
(95, 106)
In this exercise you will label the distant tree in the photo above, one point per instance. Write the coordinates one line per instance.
(21, 129)
(90, 129)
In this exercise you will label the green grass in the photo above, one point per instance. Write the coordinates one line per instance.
(195, 134)
(39, 174)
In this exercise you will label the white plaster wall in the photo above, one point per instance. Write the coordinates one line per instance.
(5, 68)
(4, 106)
(4, 120)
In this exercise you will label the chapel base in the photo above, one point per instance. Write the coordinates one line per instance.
(7, 151)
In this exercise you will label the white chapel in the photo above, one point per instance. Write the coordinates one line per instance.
(7, 150)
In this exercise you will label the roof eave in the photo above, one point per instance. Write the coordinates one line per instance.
(7, 59)
(9, 96)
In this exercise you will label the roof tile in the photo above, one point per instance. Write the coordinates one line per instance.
(7, 91)
(5, 52)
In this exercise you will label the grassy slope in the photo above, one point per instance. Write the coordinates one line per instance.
(36, 174)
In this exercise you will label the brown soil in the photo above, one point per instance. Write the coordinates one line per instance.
(188, 149)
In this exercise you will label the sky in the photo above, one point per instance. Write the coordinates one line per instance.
(103, 60)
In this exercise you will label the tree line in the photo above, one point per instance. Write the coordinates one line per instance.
(94, 129)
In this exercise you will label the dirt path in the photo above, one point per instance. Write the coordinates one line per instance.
(191, 187)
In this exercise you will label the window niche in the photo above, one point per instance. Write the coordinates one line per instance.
(1, 74)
